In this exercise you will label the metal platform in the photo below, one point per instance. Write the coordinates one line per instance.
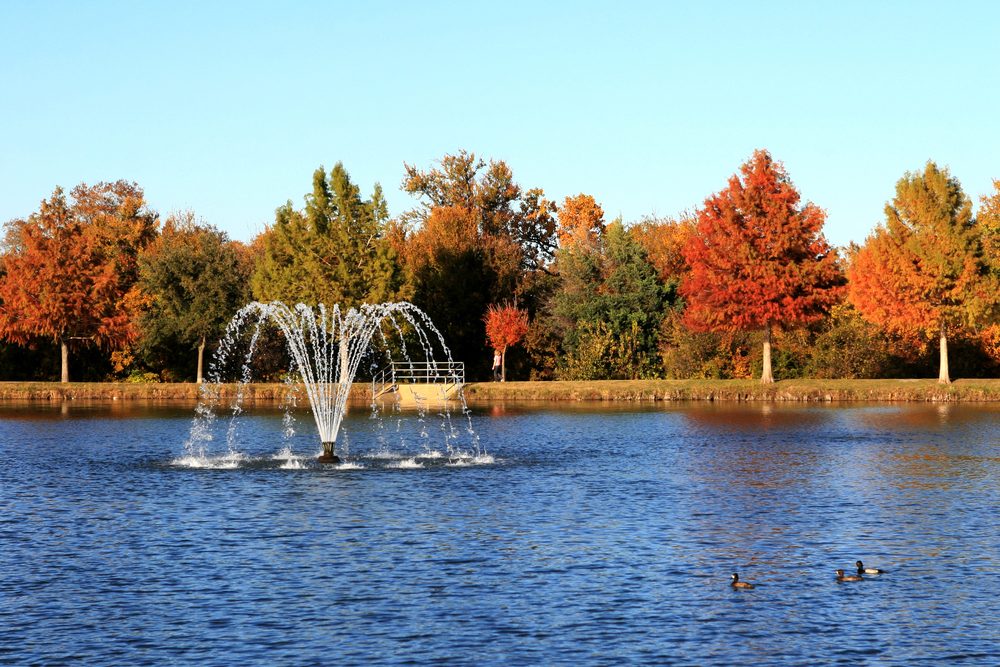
(419, 384)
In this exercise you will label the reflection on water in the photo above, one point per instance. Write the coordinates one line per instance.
(96, 409)
(601, 534)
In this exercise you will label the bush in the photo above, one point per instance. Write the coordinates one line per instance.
(847, 346)
(140, 377)
(691, 354)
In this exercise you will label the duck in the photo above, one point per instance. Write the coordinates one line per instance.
(739, 584)
(868, 570)
(848, 577)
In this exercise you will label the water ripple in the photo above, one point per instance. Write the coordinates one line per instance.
(593, 537)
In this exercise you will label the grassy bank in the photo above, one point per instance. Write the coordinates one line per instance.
(155, 392)
(738, 390)
(612, 390)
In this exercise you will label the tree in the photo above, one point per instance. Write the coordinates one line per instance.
(758, 259)
(664, 241)
(475, 238)
(533, 228)
(607, 308)
(116, 215)
(69, 268)
(506, 325)
(334, 251)
(989, 227)
(501, 208)
(633, 302)
(194, 281)
(923, 271)
(581, 222)
(574, 303)
(451, 278)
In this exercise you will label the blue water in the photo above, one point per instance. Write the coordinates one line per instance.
(594, 537)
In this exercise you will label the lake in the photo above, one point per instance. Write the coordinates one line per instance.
(586, 534)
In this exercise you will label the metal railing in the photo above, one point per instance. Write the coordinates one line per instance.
(417, 372)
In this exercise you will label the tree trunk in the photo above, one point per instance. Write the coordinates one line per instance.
(765, 375)
(65, 361)
(201, 357)
(503, 364)
(943, 376)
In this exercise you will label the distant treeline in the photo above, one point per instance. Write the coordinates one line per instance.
(744, 286)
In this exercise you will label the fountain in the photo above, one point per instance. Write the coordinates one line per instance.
(326, 347)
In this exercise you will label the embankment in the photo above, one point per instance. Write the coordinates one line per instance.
(739, 390)
(606, 390)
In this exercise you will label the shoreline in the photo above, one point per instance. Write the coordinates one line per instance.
(803, 391)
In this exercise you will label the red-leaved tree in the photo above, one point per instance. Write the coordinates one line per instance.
(758, 258)
(506, 325)
(68, 269)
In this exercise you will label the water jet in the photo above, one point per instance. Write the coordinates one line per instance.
(326, 346)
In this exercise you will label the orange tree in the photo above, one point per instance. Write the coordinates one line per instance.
(989, 227)
(758, 258)
(475, 237)
(506, 325)
(923, 273)
(447, 267)
(503, 210)
(69, 269)
(581, 222)
(664, 240)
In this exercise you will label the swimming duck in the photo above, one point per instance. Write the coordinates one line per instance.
(849, 577)
(739, 584)
(868, 570)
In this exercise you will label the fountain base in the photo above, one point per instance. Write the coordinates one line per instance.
(328, 456)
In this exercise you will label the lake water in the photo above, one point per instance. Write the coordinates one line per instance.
(593, 536)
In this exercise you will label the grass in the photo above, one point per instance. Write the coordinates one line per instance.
(739, 390)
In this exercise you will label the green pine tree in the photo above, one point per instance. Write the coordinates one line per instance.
(333, 251)
(608, 307)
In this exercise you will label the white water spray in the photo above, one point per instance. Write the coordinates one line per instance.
(326, 346)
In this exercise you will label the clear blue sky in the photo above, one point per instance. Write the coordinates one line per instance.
(226, 108)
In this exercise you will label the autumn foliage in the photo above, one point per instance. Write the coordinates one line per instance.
(506, 325)
(664, 242)
(503, 211)
(581, 222)
(91, 273)
(69, 268)
(758, 259)
(476, 237)
(988, 229)
(923, 272)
